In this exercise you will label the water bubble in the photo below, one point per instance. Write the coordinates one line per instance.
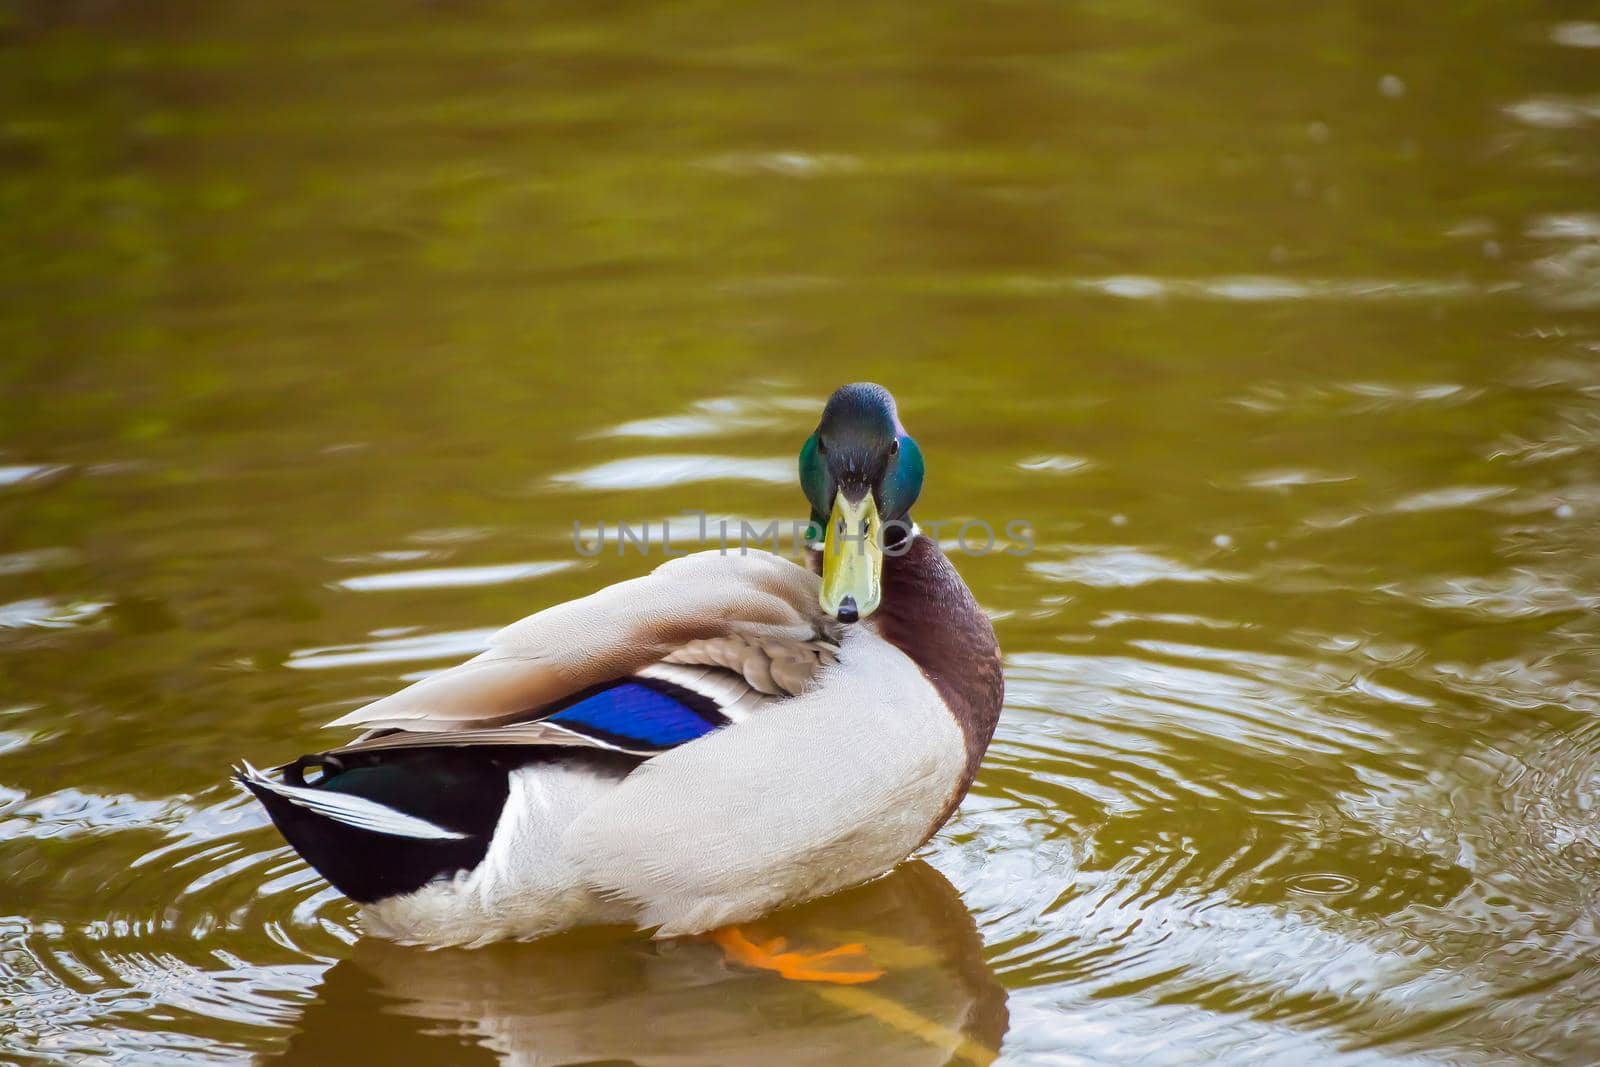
(1326, 884)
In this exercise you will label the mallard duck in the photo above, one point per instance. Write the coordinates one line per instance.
(684, 751)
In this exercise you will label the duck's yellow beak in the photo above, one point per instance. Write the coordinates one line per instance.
(852, 560)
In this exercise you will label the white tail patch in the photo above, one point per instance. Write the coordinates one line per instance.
(358, 812)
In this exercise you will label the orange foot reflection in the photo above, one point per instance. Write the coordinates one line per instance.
(845, 965)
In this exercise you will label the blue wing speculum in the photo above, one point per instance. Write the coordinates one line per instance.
(641, 714)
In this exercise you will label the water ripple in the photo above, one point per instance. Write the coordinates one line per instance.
(404, 648)
(1576, 34)
(1121, 566)
(49, 613)
(38, 559)
(23, 475)
(1263, 289)
(167, 953)
(660, 472)
(717, 417)
(453, 577)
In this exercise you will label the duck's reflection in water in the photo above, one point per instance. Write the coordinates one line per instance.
(602, 998)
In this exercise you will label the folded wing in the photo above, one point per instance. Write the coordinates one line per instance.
(639, 667)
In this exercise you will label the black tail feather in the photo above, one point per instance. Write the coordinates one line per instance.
(460, 791)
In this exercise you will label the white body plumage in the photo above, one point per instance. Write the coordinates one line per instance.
(808, 795)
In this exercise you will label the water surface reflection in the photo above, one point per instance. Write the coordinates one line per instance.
(598, 999)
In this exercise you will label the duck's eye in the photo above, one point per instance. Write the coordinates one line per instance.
(894, 447)
(822, 447)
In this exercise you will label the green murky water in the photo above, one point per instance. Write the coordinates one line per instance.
(321, 325)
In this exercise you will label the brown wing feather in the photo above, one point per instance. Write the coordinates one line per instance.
(612, 633)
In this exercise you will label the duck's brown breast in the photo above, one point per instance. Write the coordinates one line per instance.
(929, 614)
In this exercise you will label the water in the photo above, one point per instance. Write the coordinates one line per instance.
(1281, 327)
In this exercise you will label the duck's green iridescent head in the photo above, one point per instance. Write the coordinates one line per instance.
(860, 470)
